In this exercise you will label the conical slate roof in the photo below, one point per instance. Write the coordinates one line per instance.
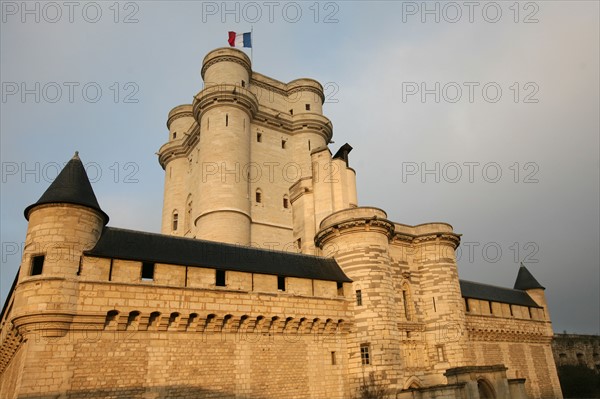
(526, 281)
(71, 186)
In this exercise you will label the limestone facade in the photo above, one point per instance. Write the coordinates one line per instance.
(268, 280)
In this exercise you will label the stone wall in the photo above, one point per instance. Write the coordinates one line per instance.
(576, 349)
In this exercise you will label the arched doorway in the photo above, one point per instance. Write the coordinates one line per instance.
(485, 390)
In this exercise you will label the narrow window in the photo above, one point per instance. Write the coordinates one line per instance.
(258, 197)
(174, 135)
(308, 145)
(79, 267)
(340, 288)
(467, 305)
(307, 106)
(358, 298)
(175, 220)
(281, 283)
(286, 202)
(110, 270)
(291, 112)
(220, 278)
(147, 271)
(259, 137)
(491, 308)
(365, 357)
(283, 143)
(226, 119)
(37, 264)
(440, 353)
(243, 83)
(299, 243)
(333, 360)
(405, 300)
(207, 123)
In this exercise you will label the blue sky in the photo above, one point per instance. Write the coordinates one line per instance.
(542, 209)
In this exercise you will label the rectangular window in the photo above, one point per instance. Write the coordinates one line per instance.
(283, 144)
(258, 197)
(286, 203)
(340, 289)
(307, 106)
(243, 83)
(174, 135)
(281, 283)
(440, 353)
(365, 357)
(299, 243)
(333, 359)
(147, 271)
(37, 264)
(291, 112)
(175, 221)
(220, 278)
(358, 298)
(259, 137)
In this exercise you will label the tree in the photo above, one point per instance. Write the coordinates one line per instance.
(579, 382)
(370, 389)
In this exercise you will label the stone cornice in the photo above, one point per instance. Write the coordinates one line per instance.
(179, 148)
(225, 94)
(290, 88)
(244, 62)
(359, 224)
(444, 238)
(181, 111)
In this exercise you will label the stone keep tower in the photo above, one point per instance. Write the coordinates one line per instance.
(234, 153)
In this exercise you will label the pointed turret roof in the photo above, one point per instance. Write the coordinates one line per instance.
(526, 281)
(71, 186)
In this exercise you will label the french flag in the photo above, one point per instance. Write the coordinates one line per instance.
(240, 39)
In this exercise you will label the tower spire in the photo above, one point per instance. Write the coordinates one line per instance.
(525, 280)
(71, 186)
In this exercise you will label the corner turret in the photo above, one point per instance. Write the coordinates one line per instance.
(63, 223)
(526, 282)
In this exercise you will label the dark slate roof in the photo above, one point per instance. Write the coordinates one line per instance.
(525, 280)
(71, 186)
(148, 247)
(470, 289)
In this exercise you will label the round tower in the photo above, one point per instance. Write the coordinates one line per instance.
(63, 223)
(224, 110)
(358, 238)
(312, 130)
(442, 308)
(173, 159)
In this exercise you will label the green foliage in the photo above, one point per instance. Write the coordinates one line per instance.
(579, 382)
